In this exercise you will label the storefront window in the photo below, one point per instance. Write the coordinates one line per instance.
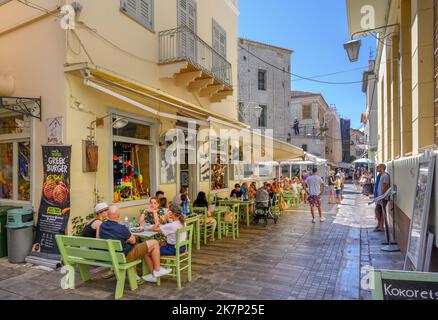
(131, 160)
(285, 171)
(15, 157)
(123, 127)
(14, 124)
(6, 173)
(167, 170)
(219, 166)
(24, 171)
(131, 171)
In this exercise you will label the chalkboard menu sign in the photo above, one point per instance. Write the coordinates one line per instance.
(398, 285)
(420, 215)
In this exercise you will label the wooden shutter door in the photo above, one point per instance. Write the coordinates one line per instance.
(187, 17)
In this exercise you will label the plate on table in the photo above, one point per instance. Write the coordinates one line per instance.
(137, 230)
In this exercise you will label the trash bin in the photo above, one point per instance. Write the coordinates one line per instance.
(3, 230)
(20, 234)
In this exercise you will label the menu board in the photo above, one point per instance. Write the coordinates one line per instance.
(420, 215)
(54, 210)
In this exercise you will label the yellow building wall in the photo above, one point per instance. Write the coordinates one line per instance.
(423, 85)
(108, 37)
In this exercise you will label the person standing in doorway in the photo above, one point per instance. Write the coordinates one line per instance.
(381, 187)
(315, 189)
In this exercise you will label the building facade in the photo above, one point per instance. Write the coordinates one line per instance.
(119, 81)
(370, 117)
(264, 87)
(357, 145)
(346, 140)
(405, 66)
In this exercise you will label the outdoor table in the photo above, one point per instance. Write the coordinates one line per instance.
(246, 204)
(218, 213)
(146, 234)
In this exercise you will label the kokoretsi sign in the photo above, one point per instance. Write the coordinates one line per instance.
(402, 285)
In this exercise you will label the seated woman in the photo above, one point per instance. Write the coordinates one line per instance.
(169, 231)
(201, 202)
(91, 228)
(252, 191)
(154, 215)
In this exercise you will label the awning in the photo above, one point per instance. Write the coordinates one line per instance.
(101, 76)
(284, 151)
(364, 15)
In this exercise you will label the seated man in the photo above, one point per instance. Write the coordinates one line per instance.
(237, 192)
(149, 250)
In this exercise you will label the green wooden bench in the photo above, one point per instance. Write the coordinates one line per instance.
(84, 252)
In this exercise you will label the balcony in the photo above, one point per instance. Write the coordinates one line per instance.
(310, 132)
(192, 63)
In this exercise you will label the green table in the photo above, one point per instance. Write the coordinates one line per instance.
(218, 213)
(243, 204)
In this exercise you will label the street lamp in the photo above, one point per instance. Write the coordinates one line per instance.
(353, 48)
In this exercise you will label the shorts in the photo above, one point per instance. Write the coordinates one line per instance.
(138, 252)
(338, 192)
(169, 250)
(314, 201)
(331, 188)
(379, 207)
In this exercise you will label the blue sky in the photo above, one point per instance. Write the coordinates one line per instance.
(315, 30)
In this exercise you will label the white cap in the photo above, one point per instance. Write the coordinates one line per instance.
(100, 207)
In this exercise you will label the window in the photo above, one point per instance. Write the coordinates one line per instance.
(131, 160)
(141, 11)
(15, 156)
(262, 80)
(219, 40)
(4, 1)
(307, 112)
(241, 112)
(219, 164)
(263, 120)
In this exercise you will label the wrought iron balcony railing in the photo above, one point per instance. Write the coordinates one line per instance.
(182, 44)
(310, 132)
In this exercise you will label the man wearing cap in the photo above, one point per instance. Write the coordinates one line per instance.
(91, 228)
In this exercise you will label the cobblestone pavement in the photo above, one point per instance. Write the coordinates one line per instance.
(293, 260)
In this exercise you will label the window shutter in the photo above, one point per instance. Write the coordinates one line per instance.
(140, 10)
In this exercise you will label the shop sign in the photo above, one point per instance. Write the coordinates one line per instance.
(366, 15)
(402, 285)
(54, 130)
(54, 209)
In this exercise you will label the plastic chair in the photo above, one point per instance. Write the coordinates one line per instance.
(182, 261)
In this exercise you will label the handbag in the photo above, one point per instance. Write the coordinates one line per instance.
(283, 204)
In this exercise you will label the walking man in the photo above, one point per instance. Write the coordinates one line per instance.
(315, 188)
(382, 185)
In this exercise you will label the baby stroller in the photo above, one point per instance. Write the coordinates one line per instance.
(264, 211)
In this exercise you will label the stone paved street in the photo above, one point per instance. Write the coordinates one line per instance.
(293, 260)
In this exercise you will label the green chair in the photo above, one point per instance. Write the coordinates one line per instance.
(206, 229)
(288, 197)
(233, 224)
(212, 198)
(182, 261)
(194, 220)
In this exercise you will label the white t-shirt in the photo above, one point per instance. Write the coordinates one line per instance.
(170, 229)
(314, 183)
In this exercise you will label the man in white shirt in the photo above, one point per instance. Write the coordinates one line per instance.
(315, 188)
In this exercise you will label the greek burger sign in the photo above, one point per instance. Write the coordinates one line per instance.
(397, 285)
